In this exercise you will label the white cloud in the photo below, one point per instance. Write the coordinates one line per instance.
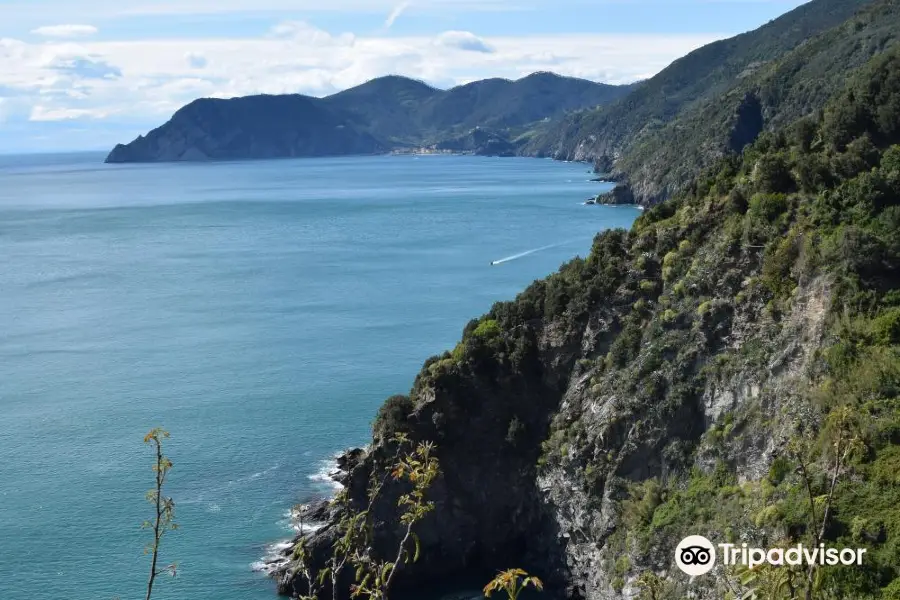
(463, 40)
(65, 31)
(83, 67)
(306, 34)
(144, 81)
(395, 14)
(195, 61)
(370, 6)
(42, 113)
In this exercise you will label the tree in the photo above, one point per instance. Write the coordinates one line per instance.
(420, 468)
(512, 581)
(164, 507)
(373, 575)
(771, 174)
(841, 443)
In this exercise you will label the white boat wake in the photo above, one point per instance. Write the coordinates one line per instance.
(500, 261)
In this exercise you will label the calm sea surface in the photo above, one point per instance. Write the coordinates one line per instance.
(260, 311)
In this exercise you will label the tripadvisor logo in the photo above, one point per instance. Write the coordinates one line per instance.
(696, 555)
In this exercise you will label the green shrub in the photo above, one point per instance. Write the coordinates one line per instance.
(886, 328)
(779, 469)
(768, 207)
(648, 286)
(737, 201)
(626, 346)
(771, 174)
(892, 591)
(669, 316)
(392, 416)
(487, 329)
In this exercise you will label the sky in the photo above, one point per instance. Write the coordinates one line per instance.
(87, 74)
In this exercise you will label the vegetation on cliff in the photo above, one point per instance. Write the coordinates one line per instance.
(717, 99)
(728, 367)
(704, 73)
(765, 97)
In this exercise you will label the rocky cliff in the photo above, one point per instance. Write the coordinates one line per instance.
(703, 373)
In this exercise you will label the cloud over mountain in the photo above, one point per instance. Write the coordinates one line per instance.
(65, 31)
(464, 40)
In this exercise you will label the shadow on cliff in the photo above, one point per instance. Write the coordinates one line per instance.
(487, 407)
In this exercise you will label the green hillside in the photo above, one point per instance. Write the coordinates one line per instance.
(662, 161)
(384, 114)
(711, 81)
(729, 367)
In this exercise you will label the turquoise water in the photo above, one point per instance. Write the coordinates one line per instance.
(260, 311)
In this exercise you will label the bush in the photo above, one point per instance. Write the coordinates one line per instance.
(626, 346)
(648, 286)
(780, 468)
(392, 416)
(768, 207)
(813, 172)
(487, 329)
(886, 328)
(779, 263)
(803, 133)
(890, 163)
(892, 591)
(771, 174)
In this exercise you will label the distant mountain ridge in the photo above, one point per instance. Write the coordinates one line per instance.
(651, 137)
(384, 114)
(720, 97)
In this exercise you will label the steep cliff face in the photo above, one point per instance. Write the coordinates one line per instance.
(688, 377)
(541, 432)
(487, 417)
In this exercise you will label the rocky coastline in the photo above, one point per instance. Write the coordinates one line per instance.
(489, 515)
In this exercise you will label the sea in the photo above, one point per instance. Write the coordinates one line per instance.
(258, 311)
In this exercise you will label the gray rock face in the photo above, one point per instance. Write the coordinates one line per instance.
(547, 495)
(638, 443)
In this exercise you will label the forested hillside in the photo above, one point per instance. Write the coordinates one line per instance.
(775, 94)
(717, 99)
(381, 115)
(728, 367)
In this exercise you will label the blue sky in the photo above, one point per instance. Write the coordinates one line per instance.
(88, 74)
